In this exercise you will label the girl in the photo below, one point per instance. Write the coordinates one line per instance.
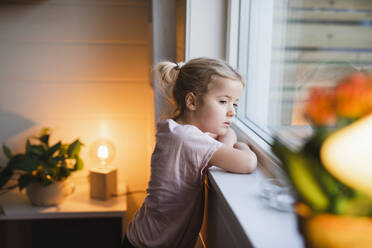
(206, 93)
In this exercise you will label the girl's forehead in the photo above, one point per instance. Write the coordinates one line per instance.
(224, 84)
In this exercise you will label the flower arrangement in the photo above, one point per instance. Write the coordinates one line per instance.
(41, 162)
(319, 186)
(332, 172)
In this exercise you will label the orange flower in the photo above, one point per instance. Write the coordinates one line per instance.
(320, 107)
(354, 96)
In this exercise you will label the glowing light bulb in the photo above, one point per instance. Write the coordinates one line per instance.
(103, 154)
(102, 151)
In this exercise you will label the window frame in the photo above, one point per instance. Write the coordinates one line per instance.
(234, 41)
(247, 131)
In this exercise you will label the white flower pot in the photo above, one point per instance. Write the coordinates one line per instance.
(50, 195)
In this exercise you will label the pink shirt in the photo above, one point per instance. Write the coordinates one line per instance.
(172, 212)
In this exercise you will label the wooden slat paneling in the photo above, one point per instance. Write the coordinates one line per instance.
(312, 15)
(337, 4)
(80, 101)
(73, 62)
(58, 23)
(125, 3)
(330, 36)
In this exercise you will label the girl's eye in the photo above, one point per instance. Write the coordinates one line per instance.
(235, 105)
(223, 101)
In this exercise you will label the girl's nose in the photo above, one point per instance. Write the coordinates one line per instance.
(231, 111)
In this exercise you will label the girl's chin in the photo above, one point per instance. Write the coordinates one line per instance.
(222, 132)
(218, 131)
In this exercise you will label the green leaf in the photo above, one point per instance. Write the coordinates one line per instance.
(333, 187)
(63, 173)
(5, 175)
(45, 131)
(50, 163)
(63, 150)
(306, 183)
(50, 171)
(74, 148)
(34, 149)
(58, 158)
(25, 180)
(26, 163)
(54, 148)
(7, 152)
(28, 146)
(79, 163)
(44, 139)
(358, 205)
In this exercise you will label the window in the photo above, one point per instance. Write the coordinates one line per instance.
(284, 47)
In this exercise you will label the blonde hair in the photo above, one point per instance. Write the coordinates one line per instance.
(177, 80)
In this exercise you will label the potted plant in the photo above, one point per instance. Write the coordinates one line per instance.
(42, 169)
(331, 172)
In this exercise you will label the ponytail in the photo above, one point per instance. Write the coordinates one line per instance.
(168, 73)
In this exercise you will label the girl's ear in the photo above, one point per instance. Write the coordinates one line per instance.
(191, 101)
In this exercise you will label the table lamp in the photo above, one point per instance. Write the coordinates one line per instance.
(103, 178)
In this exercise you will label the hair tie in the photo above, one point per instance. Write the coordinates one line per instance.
(179, 65)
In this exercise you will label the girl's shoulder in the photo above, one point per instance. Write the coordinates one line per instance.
(175, 129)
(190, 139)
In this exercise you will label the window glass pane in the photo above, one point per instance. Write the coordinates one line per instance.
(289, 46)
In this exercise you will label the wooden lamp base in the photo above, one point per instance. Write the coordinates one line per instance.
(103, 183)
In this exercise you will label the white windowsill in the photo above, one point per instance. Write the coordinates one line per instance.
(263, 225)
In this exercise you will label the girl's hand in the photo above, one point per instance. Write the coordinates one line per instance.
(241, 146)
(229, 138)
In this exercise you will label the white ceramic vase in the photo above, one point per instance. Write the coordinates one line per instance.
(50, 195)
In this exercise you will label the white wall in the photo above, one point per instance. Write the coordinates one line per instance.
(81, 68)
(164, 46)
(206, 28)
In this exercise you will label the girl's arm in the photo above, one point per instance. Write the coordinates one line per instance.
(234, 156)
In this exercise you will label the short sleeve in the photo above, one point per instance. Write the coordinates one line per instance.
(197, 147)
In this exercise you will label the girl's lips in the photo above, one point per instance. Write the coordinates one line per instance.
(227, 123)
